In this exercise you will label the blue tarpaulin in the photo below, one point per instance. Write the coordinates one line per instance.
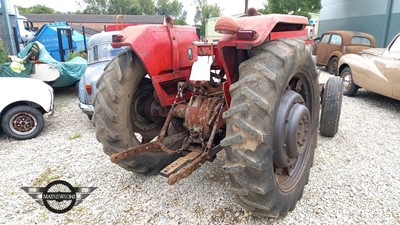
(47, 35)
(70, 72)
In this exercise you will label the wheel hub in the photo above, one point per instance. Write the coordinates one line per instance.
(141, 111)
(333, 68)
(291, 130)
(146, 114)
(347, 80)
(297, 126)
(22, 123)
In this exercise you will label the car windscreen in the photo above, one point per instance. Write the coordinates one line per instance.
(102, 52)
(395, 48)
(357, 40)
(336, 39)
(325, 38)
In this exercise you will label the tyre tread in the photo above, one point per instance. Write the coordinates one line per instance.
(112, 130)
(254, 95)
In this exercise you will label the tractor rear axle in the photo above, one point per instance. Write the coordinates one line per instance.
(202, 115)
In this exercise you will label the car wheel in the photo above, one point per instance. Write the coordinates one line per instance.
(349, 87)
(22, 122)
(333, 65)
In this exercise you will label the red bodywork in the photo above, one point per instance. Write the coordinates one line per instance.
(115, 27)
(168, 52)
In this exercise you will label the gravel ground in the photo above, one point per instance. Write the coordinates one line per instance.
(355, 178)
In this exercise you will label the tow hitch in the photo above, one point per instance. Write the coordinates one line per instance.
(202, 114)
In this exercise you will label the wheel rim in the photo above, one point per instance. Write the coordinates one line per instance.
(333, 67)
(23, 123)
(292, 133)
(347, 80)
(144, 125)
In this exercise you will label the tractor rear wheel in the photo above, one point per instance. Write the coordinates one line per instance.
(272, 127)
(123, 92)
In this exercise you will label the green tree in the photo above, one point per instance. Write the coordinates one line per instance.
(96, 6)
(147, 7)
(293, 7)
(174, 9)
(36, 9)
(140, 7)
(123, 7)
(205, 11)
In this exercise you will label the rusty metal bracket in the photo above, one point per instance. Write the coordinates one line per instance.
(174, 42)
(178, 164)
(207, 154)
(192, 166)
(148, 147)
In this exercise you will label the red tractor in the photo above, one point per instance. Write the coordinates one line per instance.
(259, 100)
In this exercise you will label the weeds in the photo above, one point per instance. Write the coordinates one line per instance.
(46, 177)
(74, 136)
(72, 55)
(3, 52)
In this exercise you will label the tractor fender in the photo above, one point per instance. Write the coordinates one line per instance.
(259, 29)
(158, 46)
(264, 26)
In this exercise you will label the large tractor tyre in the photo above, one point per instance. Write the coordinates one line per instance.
(333, 65)
(331, 107)
(272, 127)
(349, 87)
(122, 93)
(22, 122)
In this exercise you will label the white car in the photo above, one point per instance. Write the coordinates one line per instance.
(23, 102)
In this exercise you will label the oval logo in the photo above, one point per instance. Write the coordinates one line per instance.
(190, 53)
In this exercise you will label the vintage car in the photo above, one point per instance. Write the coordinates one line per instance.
(376, 69)
(23, 102)
(99, 54)
(334, 44)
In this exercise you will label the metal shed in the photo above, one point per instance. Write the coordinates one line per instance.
(379, 18)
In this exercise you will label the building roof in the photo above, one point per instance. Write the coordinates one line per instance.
(88, 31)
(90, 18)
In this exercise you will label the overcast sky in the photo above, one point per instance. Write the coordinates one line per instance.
(229, 7)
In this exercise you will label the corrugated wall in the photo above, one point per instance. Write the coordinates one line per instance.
(377, 17)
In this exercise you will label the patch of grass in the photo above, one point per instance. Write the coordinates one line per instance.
(75, 54)
(43, 216)
(79, 209)
(46, 177)
(76, 184)
(3, 52)
(74, 136)
(59, 105)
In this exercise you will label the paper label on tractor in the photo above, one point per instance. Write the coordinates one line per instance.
(201, 68)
